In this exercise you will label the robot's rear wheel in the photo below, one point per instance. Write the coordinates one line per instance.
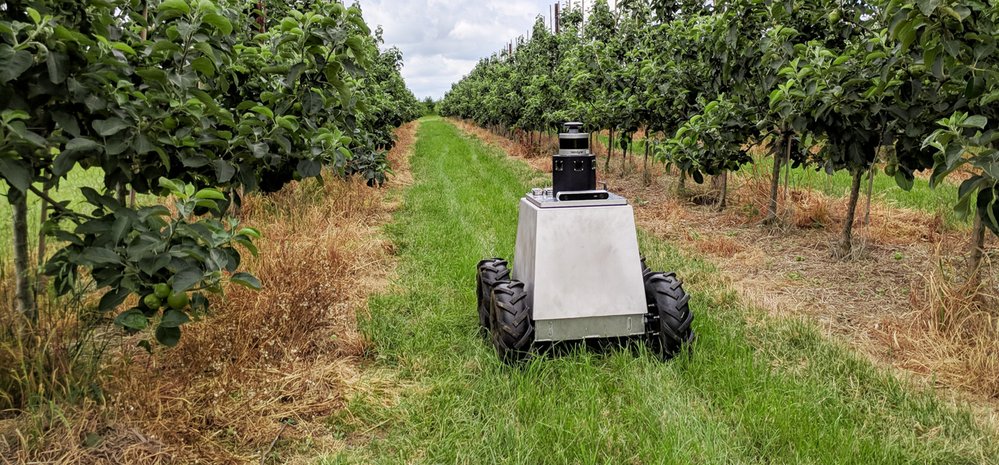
(489, 273)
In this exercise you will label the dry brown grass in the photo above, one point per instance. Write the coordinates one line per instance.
(718, 245)
(952, 331)
(787, 270)
(265, 367)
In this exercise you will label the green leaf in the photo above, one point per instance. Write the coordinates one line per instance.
(168, 336)
(260, 109)
(309, 168)
(12, 115)
(33, 13)
(776, 96)
(120, 228)
(152, 75)
(174, 6)
(110, 126)
(907, 35)
(22, 131)
(212, 194)
(204, 66)
(248, 280)
(67, 123)
(928, 6)
(100, 256)
(13, 64)
(287, 122)
(171, 185)
(356, 45)
(245, 242)
(17, 174)
(57, 63)
(75, 148)
(132, 319)
(976, 121)
(112, 299)
(145, 345)
(219, 22)
(142, 145)
(187, 279)
(123, 47)
(209, 204)
(224, 170)
(903, 181)
(251, 232)
(174, 318)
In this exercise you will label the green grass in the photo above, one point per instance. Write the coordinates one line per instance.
(940, 199)
(637, 145)
(753, 390)
(69, 189)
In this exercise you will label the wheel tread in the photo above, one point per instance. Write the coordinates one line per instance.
(671, 317)
(512, 329)
(489, 273)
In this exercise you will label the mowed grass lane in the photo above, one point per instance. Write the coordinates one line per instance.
(754, 390)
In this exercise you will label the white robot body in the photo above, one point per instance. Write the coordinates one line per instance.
(580, 265)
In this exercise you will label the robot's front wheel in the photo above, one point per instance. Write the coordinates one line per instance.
(669, 313)
(512, 328)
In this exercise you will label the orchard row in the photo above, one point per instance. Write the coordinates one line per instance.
(906, 85)
(200, 100)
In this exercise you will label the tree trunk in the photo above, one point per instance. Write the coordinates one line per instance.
(723, 191)
(775, 181)
(645, 164)
(787, 167)
(624, 158)
(144, 33)
(977, 248)
(846, 241)
(23, 295)
(262, 17)
(43, 216)
(610, 150)
(870, 192)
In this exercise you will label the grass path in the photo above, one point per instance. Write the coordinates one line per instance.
(754, 390)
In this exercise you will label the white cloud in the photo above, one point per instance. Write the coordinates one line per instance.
(441, 40)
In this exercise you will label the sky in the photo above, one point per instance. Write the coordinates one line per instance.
(442, 40)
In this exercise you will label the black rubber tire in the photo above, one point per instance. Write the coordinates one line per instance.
(645, 268)
(669, 314)
(512, 327)
(488, 274)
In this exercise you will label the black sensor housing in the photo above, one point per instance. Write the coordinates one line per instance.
(574, 168)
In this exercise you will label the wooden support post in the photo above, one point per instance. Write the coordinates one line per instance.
(557, 21)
